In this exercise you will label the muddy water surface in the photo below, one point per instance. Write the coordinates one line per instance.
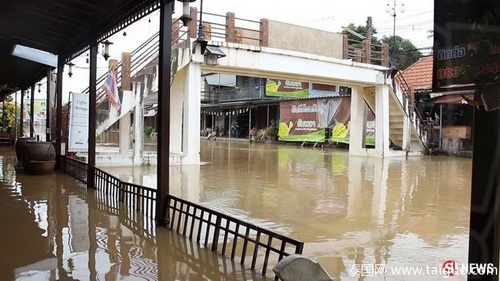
(55, 229)
(351, 212)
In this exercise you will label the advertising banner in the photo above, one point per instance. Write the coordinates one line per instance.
(307, 119)
(298, 89)
(78, 123)
(466, 43)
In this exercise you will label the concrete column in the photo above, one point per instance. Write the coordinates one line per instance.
(358, 121)
(138, 124)
(176, 105)
(124, 133)
(382, 119)
(192, 104)
(406, 133)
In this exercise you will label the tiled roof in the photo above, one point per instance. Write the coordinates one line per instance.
(419, 74)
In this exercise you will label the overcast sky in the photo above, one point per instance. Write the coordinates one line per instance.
(333, 14)
(329, 15)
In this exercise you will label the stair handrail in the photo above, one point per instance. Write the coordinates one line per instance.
(412, 110)
(140, 57)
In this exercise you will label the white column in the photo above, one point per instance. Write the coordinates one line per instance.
(406, 133)
(358, 121)
(124, 133)
(176, 118)
(192, 103)
(382, 119)
(138, 89)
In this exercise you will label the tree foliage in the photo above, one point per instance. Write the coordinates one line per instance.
(402, 51)
(9, 114)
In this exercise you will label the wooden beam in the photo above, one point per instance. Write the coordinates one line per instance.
(163, 115)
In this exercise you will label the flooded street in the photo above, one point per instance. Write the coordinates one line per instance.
(53, 228)
(348, 210)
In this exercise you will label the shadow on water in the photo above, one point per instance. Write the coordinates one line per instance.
(348, 210)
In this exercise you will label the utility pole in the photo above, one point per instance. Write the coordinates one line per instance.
(369, 29)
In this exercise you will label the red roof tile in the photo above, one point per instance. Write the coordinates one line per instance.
(419, 74)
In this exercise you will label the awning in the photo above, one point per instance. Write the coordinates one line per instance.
(453, 99)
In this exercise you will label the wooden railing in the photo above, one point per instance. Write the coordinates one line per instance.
(75, 168)
(366, 52)
(214, 230)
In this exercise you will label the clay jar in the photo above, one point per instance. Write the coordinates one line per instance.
(20, 145)
(38, 157)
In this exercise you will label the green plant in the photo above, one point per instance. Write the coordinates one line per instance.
(148, 130)
(9, 112)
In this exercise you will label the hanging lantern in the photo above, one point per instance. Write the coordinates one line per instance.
(105, 52)
(70, 68)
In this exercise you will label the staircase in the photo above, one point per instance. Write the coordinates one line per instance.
(400, 111)
(141, 57)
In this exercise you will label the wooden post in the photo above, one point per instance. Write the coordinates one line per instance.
(264, 32)
(193, 24)
(59, 93)
(32, 112)
(367, 51)
(345, 46)
(163, 115)
(21, 122)
(230, 27)
(126, 82)
(92, 114)
(385, 55)
(47, 105)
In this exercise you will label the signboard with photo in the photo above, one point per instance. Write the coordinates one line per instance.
(298, 89)
(307, 119)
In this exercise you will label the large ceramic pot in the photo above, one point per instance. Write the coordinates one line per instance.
(38, 157)
(19, 147)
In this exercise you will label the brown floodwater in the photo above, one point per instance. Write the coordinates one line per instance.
(349, 211)
(55, 229)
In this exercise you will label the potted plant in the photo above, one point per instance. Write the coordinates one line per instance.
(270, 133)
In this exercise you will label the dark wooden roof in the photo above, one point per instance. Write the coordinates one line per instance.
(61, 27)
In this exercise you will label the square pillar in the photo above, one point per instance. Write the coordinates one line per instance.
(176, 111)
(138, 143)
(382, 119)
(358, 121)
(406, 133)
(192, 112)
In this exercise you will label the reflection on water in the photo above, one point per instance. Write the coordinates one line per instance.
(55, 229)
(348, 210)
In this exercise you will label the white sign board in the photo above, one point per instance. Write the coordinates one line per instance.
(78, 123)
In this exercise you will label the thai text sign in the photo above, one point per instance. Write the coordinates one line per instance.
(466, 43)
(78, 123)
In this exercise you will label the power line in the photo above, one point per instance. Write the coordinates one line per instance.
(401, 18)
